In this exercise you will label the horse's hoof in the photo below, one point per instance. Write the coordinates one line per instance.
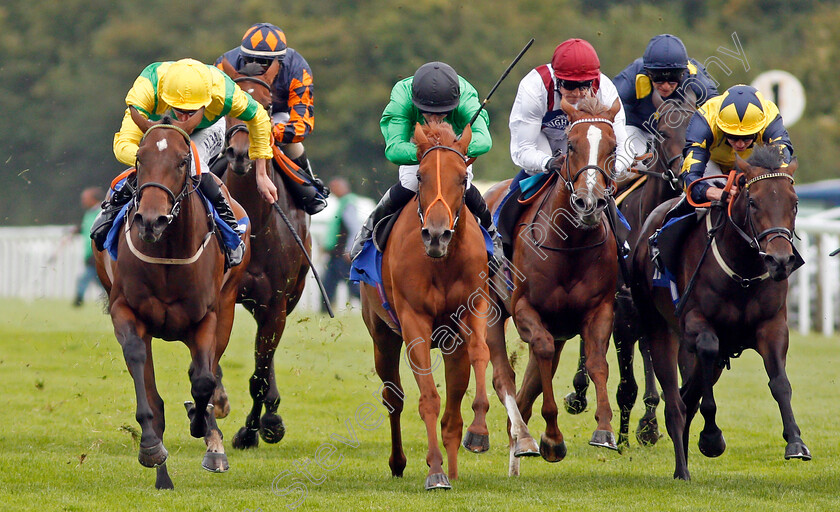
(222, 406)
(215, 462)
(647, 433)
(272, 429)
(246, 438)
(575, 404)
(604, 439)
(551, 451)
(153, 456)
(682, 474)
(162, 480)
(623, 442)
(476, 443)
(797, 450)
(526, 447)
(711, 445)
(437, 481)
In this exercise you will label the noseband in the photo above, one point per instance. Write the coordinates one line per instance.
(453, 218)
(185, 190)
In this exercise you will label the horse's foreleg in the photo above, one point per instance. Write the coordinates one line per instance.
(131, 335)
(504, 382)
(772, 344)
(202, 345)
(227, 304)
(162, 480)
(417, 334)
(647, 433)
(624, 336)
(386, 354)
(542, 349)
(457, 366)
(707, 346)
(575, 401)
(597, 327)
(477, 439)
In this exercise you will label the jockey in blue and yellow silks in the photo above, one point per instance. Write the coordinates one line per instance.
(665, 68)
(724, 126)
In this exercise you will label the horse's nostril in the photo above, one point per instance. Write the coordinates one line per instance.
(161, 222)
(230, 154)
(446, 237)
(425, 235)
(600, 203)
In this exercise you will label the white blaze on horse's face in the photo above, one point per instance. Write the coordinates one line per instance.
(162, 145)
(593, 135)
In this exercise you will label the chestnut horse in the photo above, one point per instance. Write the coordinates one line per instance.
(564, 257)
(659, 185)
(432, 271)
(738, 301)
(274, 280)
(169, 282)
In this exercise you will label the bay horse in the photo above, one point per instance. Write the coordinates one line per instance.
(169, 282)
(274, 279)
(564, 255)
(738, 301)
(432, 270)
(636, 200)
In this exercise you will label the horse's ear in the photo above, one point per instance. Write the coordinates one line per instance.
(791, 167)
(568, 108)
(613, 111)
(420, 136)
(190, 124)
(690, 97)
(657, 99)
(139, 119)
(466, 137)
(271, 72)
(228, 68)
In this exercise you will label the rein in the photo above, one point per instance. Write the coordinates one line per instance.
(453, 218)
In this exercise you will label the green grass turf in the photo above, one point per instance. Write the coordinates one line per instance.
(68, 416)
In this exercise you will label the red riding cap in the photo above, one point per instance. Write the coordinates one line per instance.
(575, 59)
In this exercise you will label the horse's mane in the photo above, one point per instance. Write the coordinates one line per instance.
(440, 134)
(592, 106)
(766, 156)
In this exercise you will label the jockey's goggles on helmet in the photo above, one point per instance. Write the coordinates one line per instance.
(659, 76)
(571, 85)
(738, 138)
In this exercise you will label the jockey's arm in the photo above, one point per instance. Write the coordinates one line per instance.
(256, 119)
(698, 139)
(126, 141)
(468, 105)
(525, 125)
(397, 126)
(300, 105)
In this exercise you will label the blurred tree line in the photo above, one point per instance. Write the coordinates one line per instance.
(66, 67)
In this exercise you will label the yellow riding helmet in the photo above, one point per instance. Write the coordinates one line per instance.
(742, 111)
(186, 85)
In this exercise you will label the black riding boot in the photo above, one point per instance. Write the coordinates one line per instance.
(213, 192)
(313, 195)
(110, 208)
(620, 241)
(395, 198)
(475, 202)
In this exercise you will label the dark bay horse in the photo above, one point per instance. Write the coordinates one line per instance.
(636, 200)
(273, 282)
(738, 301)
(564, 275)
(432, 271)
(169, 282)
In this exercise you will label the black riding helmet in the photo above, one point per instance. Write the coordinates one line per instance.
(435, 88)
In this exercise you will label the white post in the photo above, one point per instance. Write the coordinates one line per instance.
(827, 281)
(803, 282)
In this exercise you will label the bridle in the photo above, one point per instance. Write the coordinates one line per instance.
(185, 190)
(453, 217)
(571, 180)
(772, 233)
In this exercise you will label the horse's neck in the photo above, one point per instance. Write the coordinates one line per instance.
(735, 251)
(655, 192)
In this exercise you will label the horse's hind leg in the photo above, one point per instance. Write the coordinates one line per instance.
(647, 433)
(386, 353)
(575, 402)
(711, 441)
(504, 382)
(162, 480)
(202, 345)
(624, 337)
(135, 344)
(451, 423)
(221, 404)
(772, 345)
(596, 335)
(215, 459)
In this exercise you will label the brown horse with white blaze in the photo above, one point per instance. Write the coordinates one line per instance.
(169, 282)
(432, 271)
(564, 269)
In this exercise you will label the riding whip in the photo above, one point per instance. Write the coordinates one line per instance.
(504, 75)
(306, 254)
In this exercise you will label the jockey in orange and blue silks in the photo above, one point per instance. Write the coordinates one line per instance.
(726, 125)
(182, 89)
(664, 68)
(293, 101)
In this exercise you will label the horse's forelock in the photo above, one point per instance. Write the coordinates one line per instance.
(166, 119)
(592, 106)
(766, 156)
(440, 134)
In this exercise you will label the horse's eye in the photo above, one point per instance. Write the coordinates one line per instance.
(418, 177)
(184, 163)
(753, 204)
(571, 149)
(796, 208)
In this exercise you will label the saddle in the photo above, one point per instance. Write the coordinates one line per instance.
(667, 241)
(514, 204)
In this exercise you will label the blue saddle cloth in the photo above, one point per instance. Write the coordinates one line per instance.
(229, 236)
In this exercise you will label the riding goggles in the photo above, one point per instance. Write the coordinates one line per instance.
(659, 76)
(571, 85)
